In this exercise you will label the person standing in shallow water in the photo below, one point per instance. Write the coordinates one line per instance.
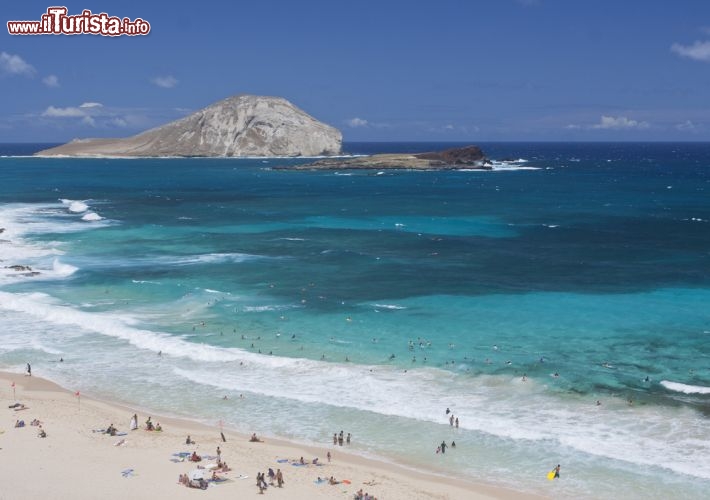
(443, 447)
(29, 370)
(557, 472)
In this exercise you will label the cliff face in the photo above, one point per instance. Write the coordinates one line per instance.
(243, 125)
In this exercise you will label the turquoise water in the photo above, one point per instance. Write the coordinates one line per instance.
(371, 302)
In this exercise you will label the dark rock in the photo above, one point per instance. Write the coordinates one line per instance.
(469, 155)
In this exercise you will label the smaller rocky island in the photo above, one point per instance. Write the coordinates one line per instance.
(468, 157)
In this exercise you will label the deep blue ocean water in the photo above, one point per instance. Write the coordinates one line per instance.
(372, 301)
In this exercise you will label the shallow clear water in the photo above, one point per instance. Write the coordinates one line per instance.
(371, 302)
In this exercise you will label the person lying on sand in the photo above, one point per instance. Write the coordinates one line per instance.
(197, 483)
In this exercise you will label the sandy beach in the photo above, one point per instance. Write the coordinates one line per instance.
(76, 461)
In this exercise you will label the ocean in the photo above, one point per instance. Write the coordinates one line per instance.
(557, 305)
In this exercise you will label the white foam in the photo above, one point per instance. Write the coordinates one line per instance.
(75, 206)
(62, 270)
(685, 388)
(265, 308)
(91, 217)
(45, 308)
(214, 258)
(393, 307)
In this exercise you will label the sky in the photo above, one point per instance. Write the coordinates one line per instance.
(387, 70)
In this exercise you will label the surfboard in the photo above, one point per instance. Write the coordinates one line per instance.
(551, 475)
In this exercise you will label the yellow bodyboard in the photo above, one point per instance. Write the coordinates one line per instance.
(551, 475)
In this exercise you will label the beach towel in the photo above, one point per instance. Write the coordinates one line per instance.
(282, 460)
(120, 442)
(126, 472)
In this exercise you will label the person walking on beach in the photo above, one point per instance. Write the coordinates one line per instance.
(29, 370)
(279, 478)
(443, 447)
(329, 456)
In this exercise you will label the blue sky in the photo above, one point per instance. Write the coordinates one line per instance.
(488, 70)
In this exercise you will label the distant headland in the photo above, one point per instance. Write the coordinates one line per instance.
(242, 125)
(469, 157)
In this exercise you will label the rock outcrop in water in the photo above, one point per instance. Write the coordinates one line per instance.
(469, 157)
(242, 125)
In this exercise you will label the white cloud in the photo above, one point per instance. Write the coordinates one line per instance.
(357, 122)
(619, 123)
(686, 126)
(119, 122)
(70, 112)
(449, 127)
(88, 112)
(51, 81)
(699, 51)
(166, 82)
(14, 65)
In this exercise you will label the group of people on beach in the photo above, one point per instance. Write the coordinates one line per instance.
(453, 421)
(359, 495)
(20, 423)
(150, 427)
(338, 438)
(277, 477)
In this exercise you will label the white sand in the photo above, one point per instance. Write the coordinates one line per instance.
(74, 462)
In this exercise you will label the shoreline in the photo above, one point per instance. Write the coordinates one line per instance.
(74, 461)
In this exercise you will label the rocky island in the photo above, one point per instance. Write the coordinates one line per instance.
(469, 157)
(242, 125)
